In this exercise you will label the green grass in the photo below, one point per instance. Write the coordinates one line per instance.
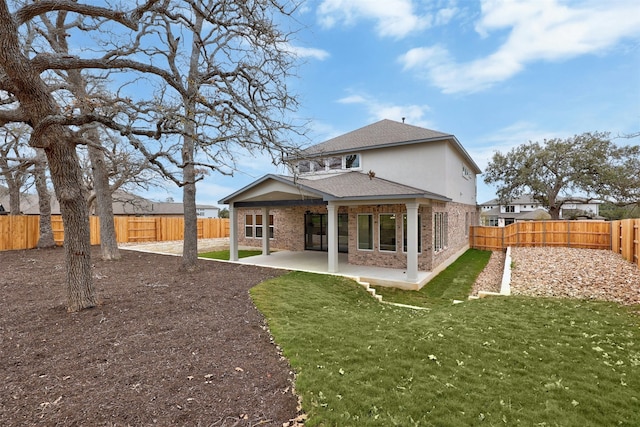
(455, 282)
(224, 255)
(495, 361)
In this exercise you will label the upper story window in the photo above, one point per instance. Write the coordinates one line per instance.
(510, 208)
(466, 172)
(349, 161)
(352, 161)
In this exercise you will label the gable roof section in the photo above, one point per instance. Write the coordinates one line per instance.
(385, 133)
(345, 186)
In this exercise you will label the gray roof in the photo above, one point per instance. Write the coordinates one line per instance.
(348, 186)
(385, 133)
(124, 203)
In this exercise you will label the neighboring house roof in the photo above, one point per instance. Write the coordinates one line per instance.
(536, 214)
(351, 185)
(385, 133)
(527, 199)
(124, 203)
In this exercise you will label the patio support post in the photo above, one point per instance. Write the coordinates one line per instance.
(265, 231)
(233, 234)
(332, 237)
(412, 242)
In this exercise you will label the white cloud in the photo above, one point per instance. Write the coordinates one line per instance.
(378, 110)
(540, 30)
(308, 52)
(394, 18)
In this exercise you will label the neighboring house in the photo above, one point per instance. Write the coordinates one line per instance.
(389, 195)
(124, 203)
(526, 208)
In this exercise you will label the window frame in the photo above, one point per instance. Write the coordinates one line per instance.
(370, 226)
(255, 228)
(394, 243)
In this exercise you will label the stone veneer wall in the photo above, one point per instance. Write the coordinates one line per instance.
(461, 216)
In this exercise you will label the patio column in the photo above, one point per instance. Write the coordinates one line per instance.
(233, 234)
(265, 231)
(412, 241)
(332, 237)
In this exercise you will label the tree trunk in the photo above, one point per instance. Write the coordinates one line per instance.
(14, 197)
(67, 180)
(190, 246)
(45, 239)
(37, 102)
(104, 203)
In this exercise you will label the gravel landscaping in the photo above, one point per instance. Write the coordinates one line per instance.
(565, 272)
(574, 273)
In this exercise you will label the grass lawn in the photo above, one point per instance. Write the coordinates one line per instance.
(496, 361)
(455, 282)
(224, 255)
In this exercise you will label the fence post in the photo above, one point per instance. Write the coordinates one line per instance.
(568, 234)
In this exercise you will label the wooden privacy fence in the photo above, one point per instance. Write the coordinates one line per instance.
(622, 236)
(21, 231)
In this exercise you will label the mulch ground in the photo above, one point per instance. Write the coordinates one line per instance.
(163, 347)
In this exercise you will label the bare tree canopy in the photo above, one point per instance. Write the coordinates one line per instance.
(589, 166)
(195, 84)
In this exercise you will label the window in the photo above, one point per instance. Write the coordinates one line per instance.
(510, 208)
(248, 226)
(253, 226)
(334, 163)
(440, 231)
(365, 232)
(387, 235)
(466, 172)
(304, 166)
(404, 233)
(200, 212)
(352, 161)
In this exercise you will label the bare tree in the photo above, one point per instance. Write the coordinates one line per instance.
(218, 70)
(15, 162)
(45, 237)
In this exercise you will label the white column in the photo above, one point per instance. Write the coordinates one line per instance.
(233, 234)
(332, 236)
(265, 231)
(412, 242)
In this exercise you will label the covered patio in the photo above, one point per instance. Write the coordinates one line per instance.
(317, 262)
(330, 195)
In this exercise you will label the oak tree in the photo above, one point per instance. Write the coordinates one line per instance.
(589, 166)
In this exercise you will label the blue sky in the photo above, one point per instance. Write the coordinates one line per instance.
(495, 73)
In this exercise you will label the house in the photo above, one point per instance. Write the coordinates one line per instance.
(124, 203)
(526, 208)
(388, 195)
(523, 208)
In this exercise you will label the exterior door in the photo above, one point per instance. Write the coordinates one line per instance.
(315, 232)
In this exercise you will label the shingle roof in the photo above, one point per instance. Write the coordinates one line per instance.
(382, 133)
(385, 133)
(349, 186)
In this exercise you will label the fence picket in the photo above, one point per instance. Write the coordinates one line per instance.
(22, 231)
(621, 237)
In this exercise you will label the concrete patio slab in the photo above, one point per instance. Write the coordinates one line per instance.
(317, 262)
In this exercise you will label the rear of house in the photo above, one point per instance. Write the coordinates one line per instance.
(387, 195)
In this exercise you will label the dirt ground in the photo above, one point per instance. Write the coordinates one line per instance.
(163, 347)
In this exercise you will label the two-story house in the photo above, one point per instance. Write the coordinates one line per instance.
(526, 208)
(388, 195)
